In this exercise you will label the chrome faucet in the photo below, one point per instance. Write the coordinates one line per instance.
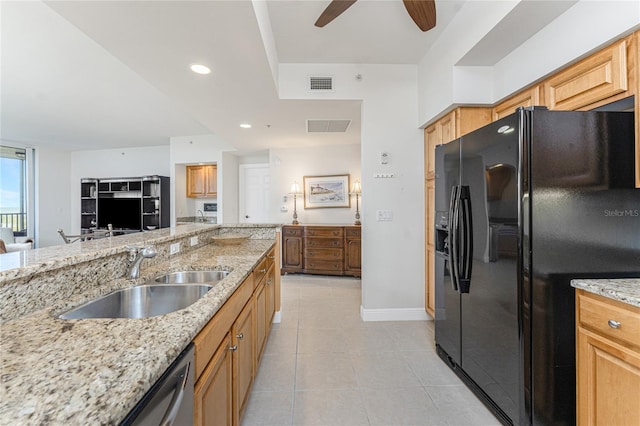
(136, 255)
(201, 215)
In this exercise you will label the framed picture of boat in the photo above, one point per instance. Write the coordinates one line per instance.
(326, 191)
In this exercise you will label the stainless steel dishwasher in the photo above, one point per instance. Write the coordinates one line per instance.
(170, 399)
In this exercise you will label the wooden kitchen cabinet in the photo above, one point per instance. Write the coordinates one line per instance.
(243, 347)
(226, 349)
(430, 284)
(213, 391)
(596, 78)
(260, 308)
(265, 303)
(608, 361)
(202, 181)
(527, 98)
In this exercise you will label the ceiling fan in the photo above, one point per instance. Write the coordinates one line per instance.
(423, 12)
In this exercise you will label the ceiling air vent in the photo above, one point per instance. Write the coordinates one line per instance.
(327, 126)
(321, 84)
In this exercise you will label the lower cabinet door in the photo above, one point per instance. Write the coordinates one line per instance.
(261, 316)
(213, 390)
(270, 290)
(608, 381)
(243, 339)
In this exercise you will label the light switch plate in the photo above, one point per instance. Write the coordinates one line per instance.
(175, 248)
(384, 215)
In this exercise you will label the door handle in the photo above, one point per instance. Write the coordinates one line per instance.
(174, 406)
(454, 222)
(467, 240)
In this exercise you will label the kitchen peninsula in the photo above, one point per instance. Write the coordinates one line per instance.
(94, 371)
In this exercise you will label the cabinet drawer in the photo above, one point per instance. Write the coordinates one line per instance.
(325, 232)
(260, 271)
(271, 256)
(601, 315)
(292, 231)
(354, 232)
(324, 254)
(323, 265)
(323, 242)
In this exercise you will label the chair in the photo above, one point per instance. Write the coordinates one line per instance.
(95, 234)
(14, 244)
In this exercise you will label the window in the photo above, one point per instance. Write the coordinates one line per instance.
(13, 189)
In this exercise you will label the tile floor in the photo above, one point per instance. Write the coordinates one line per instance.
(324, 366)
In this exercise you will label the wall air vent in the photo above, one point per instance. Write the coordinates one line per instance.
(321, 84)
(328, 126)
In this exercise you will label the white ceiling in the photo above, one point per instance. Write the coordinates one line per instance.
(110, 74)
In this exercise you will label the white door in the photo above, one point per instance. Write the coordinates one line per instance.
(254, 193)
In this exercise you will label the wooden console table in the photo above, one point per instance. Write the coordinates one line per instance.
(321, 249)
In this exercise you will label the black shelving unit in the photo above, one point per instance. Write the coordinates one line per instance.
(88, 205)
(129, 204)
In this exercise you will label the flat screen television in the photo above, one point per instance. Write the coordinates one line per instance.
(121, 213)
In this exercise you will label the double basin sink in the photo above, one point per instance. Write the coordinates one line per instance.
(166, 293)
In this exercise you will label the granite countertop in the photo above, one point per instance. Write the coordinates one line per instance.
(625, 290)
(94, 371)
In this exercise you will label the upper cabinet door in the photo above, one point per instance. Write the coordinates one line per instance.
(527, 98)
(593, 79)
(212, 181)
(202, 181)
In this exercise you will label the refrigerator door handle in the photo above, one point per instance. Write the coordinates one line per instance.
(466, 251)
(454, 225)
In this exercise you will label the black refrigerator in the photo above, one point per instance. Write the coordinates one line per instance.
(524, 205)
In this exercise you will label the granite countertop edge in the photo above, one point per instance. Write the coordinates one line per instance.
(16, 265)
(94, 371)
(626, 290)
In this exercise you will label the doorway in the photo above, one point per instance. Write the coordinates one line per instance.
(253, 200)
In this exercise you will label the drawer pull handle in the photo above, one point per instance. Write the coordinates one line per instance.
(262, 271)
(240, 336)
(614, 324)
(233, 348)
(271, 257)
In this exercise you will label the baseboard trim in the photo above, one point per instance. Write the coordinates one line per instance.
(394, 314)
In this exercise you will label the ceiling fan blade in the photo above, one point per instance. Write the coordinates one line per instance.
(335, 9)
(423, 13)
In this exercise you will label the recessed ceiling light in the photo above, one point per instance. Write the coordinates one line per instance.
(200, 69)
(245, 125)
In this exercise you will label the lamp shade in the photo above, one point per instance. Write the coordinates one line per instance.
(295, 188)
(356, 188)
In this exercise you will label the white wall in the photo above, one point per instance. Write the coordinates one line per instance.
(392, 252)
(53, 197)
(291, 164)
(106, 163)
(228, 210)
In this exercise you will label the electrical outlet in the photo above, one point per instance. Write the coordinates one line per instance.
(175, 248)
(194, 241)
